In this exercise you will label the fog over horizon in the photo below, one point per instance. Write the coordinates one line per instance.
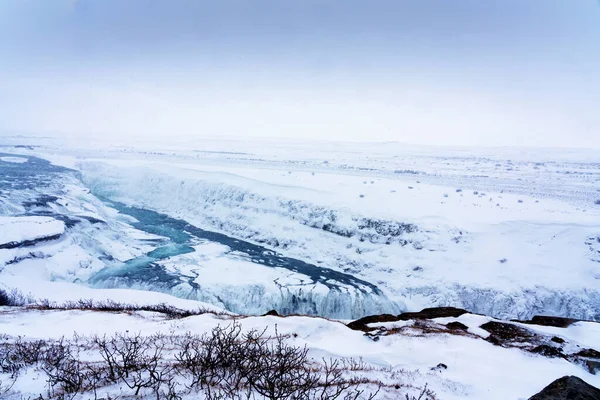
(466, 72)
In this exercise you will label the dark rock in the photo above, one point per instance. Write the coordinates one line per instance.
(547, 351)
(427, 313)
(92, 220)
(494, 340)
(556, 339)
(40, 201)
(558, 322)
(439, 367)
(457, 326)
(568, 388)
(361, 324)
(271, 313)
(589, 353)
(436, 312)
(5, 299)
(589, 359)
(505, 332)
(592, 366)
(28, 243)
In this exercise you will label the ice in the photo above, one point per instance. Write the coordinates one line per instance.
(507, 262)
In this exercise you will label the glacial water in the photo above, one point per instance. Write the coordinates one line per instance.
(181, 233)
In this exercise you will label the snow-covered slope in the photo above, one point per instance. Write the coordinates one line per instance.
(453, 365)
(24, 231)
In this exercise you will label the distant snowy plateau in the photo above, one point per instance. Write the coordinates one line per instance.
(336, 230)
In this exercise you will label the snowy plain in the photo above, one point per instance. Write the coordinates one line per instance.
(475, 369)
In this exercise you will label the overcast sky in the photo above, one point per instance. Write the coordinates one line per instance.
(458, 72)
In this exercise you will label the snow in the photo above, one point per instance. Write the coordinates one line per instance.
(471, 321)
(20, 229)
(514, 254)
(586, 334)
(476, 368)
(508, 233)
(16, 160)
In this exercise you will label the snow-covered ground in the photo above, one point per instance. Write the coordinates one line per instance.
(475, 368)
(509, 232)
(16, 230)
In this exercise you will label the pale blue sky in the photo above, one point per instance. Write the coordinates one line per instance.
(494, 72)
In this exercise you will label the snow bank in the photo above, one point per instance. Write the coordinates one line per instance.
(27, 230)
(16, 160)
(475, 369)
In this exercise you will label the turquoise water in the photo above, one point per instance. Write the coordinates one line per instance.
(181, 234)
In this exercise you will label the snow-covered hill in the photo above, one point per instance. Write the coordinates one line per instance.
(400, 357)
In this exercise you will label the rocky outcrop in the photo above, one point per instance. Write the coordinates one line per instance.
(427, 313)
(435, 312)
(28, 243)
(456, 326)
(568, 388)
(502, 333)
(507, 334)
(363, 323)
(558, 322)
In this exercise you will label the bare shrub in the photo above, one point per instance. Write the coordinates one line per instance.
(424, 394)
(9, 360)
(227, 363)
(135, 360)
(4, 299)
(113, 306)
(14, 298)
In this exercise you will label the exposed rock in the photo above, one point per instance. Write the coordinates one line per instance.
(427, 313)
(439, 367)
(568, 388)
(436, 312)
(501, 333)
(271, 313)
(548, 351)
(558, 322)
(558, 340)
(40, 201)
(589, 353)
(456, 326)
(592, 366)
(28, 243)
(589, 359)
(361, 324)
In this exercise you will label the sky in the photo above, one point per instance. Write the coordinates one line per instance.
(443, 72)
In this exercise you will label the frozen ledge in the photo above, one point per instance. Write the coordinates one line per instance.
(27, 231)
